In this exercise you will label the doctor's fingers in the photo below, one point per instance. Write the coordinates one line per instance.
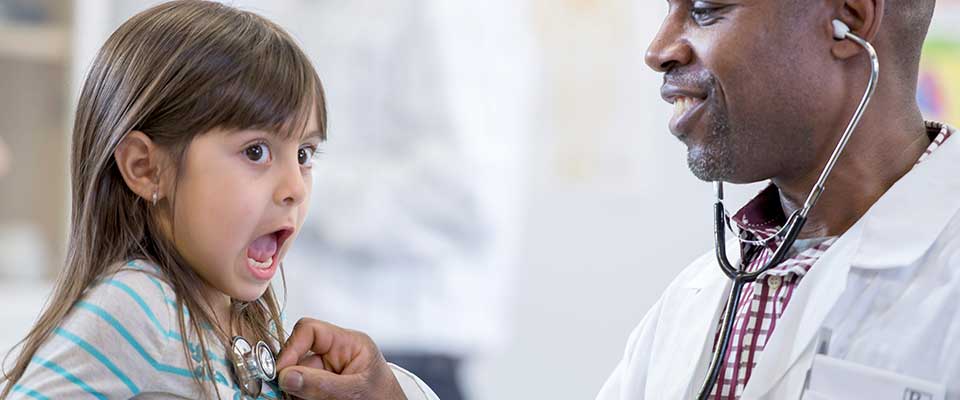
(314, 361)
(342, 350)
(317, 384)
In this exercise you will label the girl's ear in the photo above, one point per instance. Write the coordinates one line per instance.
(140, 161)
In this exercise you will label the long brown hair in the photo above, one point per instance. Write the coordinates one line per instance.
(174, 71)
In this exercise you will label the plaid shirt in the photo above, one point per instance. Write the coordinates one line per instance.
(764, 301)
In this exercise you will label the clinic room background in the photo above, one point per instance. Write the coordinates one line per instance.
(509, 160)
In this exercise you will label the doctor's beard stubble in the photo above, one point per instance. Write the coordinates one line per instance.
(714, 158)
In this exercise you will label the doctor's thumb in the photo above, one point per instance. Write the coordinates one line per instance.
(314, 383)
(291, 381)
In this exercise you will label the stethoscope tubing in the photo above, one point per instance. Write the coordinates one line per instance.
(739, 276)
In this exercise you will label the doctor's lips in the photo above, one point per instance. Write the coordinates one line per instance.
(687, 106)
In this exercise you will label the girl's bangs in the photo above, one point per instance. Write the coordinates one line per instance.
(272, 87)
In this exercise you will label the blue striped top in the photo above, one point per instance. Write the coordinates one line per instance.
(122, 341)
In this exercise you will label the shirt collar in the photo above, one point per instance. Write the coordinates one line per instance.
(762, 214)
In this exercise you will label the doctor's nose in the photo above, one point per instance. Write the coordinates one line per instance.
(668, 49)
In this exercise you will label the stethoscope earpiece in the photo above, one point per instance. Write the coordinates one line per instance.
(840, 29)
(252, 366)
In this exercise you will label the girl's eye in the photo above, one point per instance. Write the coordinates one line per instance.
(306, 155)
(258, 153)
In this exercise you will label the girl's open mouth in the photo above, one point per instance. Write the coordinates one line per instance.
(263, 253)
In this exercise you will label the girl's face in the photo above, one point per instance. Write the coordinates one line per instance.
(240, 203)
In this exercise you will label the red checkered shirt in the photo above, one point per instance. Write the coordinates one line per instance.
(764, 301)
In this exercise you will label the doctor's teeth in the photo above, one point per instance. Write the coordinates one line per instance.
(681, 104)
(260, 265)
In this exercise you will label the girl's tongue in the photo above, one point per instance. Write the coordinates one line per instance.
(263, 248)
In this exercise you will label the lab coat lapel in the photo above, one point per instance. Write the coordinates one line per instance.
(808, 308)
(895, 232)
(906, 221)
(680, 358)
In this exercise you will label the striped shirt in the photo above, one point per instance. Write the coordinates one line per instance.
(122, 341)
(764, 301)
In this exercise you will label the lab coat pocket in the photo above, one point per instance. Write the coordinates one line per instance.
(831, 378)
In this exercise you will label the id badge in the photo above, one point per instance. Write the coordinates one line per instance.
(833, 379)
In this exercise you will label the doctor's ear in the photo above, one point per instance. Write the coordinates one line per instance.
(862, 17)
(141, 163)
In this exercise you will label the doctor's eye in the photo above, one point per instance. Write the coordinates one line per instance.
(704, 13)
(258, 153)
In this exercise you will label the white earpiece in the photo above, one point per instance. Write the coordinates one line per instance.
(840, 30)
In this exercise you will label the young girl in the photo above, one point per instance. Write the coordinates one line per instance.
(192, 149)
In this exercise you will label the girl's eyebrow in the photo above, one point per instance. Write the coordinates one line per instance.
(312, 134)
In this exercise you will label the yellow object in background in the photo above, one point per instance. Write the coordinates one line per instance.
(4, 159)
(938, 91)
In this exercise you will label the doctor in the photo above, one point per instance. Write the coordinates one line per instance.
(867, 304)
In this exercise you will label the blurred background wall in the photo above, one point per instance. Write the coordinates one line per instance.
(536, 118)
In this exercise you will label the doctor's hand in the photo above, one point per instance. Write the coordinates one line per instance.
(322, 361)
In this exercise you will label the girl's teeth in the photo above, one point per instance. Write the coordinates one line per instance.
(260, 265)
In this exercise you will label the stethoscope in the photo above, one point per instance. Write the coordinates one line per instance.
(788, 232)
(252, 366)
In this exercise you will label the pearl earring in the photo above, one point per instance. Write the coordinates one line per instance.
(155, 198)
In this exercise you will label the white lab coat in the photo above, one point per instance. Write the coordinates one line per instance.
(412, 386)
(885, 295)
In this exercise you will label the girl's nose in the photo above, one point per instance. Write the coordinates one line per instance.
(292, 188)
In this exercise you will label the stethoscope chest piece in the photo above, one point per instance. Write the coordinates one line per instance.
(252, 366)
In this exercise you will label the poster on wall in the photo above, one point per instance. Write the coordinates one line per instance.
(938, 91)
